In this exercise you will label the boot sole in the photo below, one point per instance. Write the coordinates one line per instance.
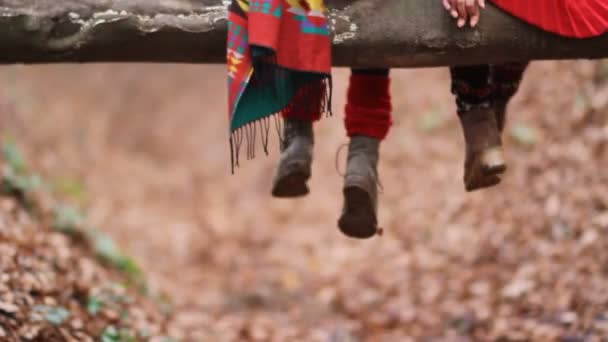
(291, 185)
(359, 219)
(488, 169)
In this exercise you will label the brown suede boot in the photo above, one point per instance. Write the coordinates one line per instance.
(294, 167)
(506, 79)
(484, 154)
(359, 214)
(500, 109)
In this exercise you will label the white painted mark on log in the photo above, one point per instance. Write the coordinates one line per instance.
(198, 22)
(211, 18)
(343, 26)
(195, 23)
(6, 12)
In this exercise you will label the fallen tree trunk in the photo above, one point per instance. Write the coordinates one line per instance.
(396, 33)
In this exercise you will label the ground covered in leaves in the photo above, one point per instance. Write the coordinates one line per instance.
(60, 281)
(139, 152)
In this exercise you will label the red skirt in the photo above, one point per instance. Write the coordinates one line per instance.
(570, 18)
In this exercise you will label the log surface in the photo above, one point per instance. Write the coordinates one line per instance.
(383, 33)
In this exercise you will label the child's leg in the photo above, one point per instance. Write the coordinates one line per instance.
(471, 86)
(294, 168)
(367, 121)
(484, 157)
(505, 80)
(368, 108)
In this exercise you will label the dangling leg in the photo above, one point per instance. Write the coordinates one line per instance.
(368, 119)
(505, 80)
(294, 168)
(484, 160)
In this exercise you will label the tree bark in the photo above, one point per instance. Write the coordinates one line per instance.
(367, 33)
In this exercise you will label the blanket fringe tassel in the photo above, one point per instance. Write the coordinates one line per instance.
(260, 129)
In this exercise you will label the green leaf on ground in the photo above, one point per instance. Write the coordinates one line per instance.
(52, 314)
(112, 334)
(103, 245)
(432, 121)
(15, 180)
(94, 305)
(525, 135)
(68, 220)
(581, 103)
(13, 157)
(72, 188)
(107, 250)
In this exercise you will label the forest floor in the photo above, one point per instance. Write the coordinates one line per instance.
(142, 150)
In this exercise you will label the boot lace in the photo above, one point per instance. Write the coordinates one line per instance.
(342, 173)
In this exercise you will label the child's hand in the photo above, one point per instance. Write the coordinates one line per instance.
(464, 10)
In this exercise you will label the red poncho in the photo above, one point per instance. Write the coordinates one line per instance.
(570, 18)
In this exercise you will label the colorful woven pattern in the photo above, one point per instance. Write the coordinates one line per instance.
(276, 49)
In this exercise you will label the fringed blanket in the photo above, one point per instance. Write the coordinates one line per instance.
(277, 51)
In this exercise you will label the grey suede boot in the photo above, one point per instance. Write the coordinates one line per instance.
(484, 154)
(296, 158)
(359, 214)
